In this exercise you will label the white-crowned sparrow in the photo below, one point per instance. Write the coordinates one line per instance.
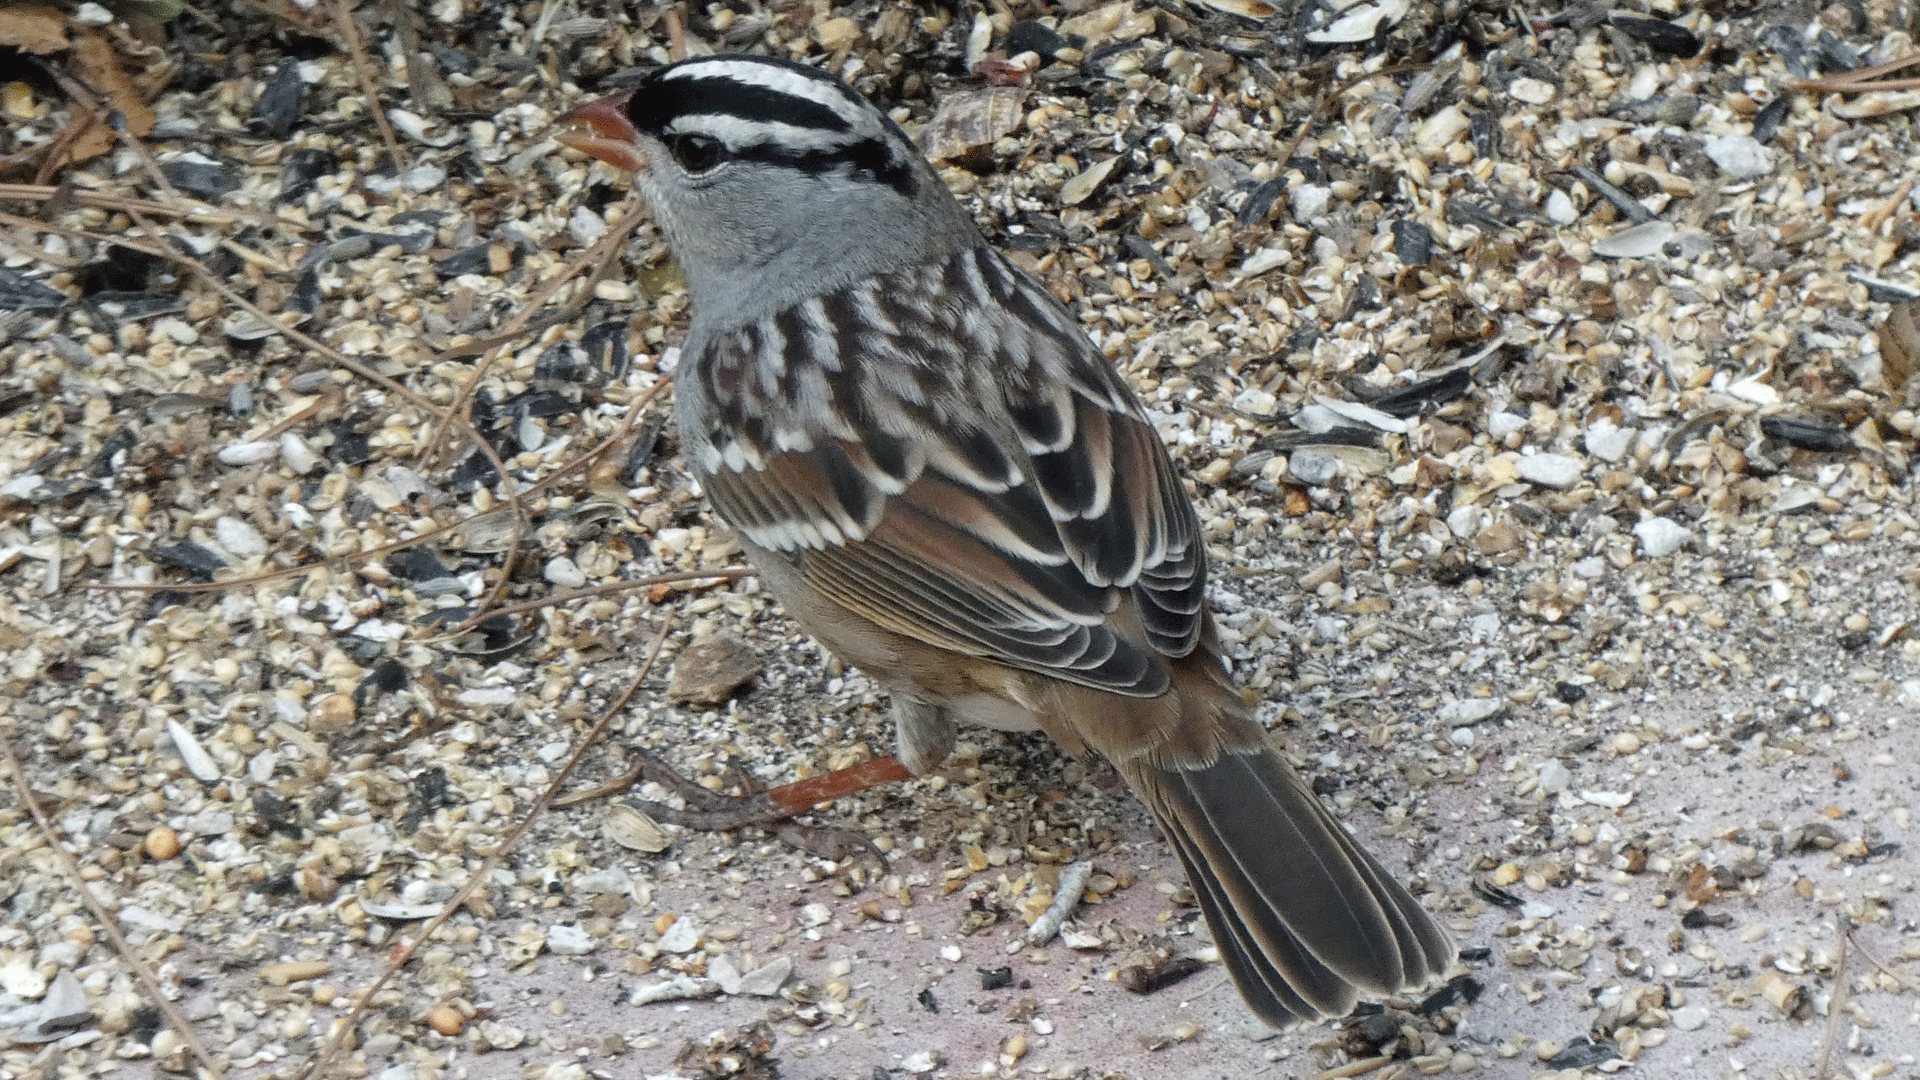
(943, 480)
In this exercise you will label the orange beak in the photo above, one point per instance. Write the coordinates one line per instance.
(601, 128)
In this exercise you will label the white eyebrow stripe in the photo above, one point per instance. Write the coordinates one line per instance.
(738, 133)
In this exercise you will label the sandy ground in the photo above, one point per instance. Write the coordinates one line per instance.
(1198, 1029)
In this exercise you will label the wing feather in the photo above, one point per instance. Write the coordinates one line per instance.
(1004, 508)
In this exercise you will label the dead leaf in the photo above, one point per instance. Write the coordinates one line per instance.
(1700, 885)
(99, 66)
(34, 28)
(1900, 345)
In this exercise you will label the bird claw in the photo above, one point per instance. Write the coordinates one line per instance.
(834, 844)
(710, 811)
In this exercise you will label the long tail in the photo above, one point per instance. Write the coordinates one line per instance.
(1305, 920)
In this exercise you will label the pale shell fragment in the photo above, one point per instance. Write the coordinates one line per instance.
(1363, 414)
(1876, 104)
(1531, 91)
(678, 988)
(1246, 9)
(1654, 238)
(297, 454)
(1660, 536)
(1742, 157)
(200, 764)
(1361, 22)
(1077, 188)
(632, 829)
(247, 453)
(241, 540)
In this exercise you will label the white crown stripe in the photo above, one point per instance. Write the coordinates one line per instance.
(780, 80)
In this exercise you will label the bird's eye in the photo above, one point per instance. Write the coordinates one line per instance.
(696, 153)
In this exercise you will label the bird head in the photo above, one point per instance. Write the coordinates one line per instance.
(771, 180)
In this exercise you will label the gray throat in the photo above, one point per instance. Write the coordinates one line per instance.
(824, 260)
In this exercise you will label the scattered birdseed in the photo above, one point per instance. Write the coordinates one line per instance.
(1552, 424)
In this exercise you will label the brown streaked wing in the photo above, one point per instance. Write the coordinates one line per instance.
(1033, 498)
(923, 575)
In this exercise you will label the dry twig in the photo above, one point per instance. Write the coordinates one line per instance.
(141, 972)
(601, 256)
(1878, 963)
(1863, 79)
(1836, 1004)
(350, 33)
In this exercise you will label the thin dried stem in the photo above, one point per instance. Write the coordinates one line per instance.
(493, 859)
(1878, 963)
(1836, 1003)
(1862, 79)
(68, 865)
(676, 33)
(350, 34)
(192, 210)
(264, 577)
(724, 573)
(1871, 221)
(605, 251)
(181, 258)
(394, 386)
(83, 97)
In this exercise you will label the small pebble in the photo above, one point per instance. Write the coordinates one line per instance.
(446, 1020)
(1531, 91)
(1689, 1018)
(1608, 442)
(1554, 777)
(19, 978)
(1742, 157)
(292, 972)
(1660, 537)
(247, 453)
(498, 1036)
(682, 937)
(424, 178)
(565, 940)
(161, 843)
(1313, 467)
(1560, 208)
(1309, 201)
(240, 539)
(767, 979)
(1549, 470)
(563, 572)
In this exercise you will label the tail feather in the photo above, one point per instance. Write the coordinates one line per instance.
(1304, 918)
(1272, 995)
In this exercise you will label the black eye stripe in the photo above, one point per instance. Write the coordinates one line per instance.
(868, 157)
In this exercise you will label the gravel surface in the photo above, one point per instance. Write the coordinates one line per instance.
(1544, 379)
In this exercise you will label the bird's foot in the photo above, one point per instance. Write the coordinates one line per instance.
(709, 811)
